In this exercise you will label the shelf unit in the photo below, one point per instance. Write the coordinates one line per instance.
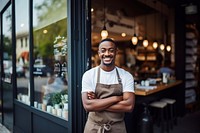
(191, 65)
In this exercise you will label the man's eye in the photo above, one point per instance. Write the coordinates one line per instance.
(103, 50)
(111, 50)
(108, 50)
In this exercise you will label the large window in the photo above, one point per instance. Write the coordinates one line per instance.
(22, 51)
(7, 45)
(50, 56)
(7, 89)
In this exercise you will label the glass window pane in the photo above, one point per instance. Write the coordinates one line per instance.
(7, 90)
(7, 45)
(50, 56)
(22, 51)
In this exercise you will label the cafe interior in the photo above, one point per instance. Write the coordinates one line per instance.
(158, 43)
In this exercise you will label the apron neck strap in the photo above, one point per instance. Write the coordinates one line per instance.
(119, 79)
(98, 76)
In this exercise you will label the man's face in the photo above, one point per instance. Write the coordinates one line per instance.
(107, 53)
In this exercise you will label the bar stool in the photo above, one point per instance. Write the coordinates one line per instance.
(160, 114)
(172, 111)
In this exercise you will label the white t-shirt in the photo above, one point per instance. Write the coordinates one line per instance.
(89, 79)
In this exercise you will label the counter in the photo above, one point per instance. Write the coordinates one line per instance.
(157, 88)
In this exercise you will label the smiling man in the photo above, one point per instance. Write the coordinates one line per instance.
(107, 93)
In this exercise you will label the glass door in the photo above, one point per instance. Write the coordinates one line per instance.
(6, 79)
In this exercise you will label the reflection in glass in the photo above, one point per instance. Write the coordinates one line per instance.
(22, 51)
(50, 56)
(7, 69)
(7, 46)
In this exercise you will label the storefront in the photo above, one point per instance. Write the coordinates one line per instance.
(45, 43)
(46, 46)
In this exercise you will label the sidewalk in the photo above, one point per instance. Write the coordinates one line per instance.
(3, 129)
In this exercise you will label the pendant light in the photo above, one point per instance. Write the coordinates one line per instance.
(104, 32)
(168, 48)
(134, 38)
(155, 43)
(145, 41)
(162, 45)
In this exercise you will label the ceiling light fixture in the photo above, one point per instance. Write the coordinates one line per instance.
(162, 46)
(134, 38)
(145, 41)
(155, 43)
(104, 32)
(168, 48)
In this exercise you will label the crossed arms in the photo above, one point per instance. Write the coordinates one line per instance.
(123, 103)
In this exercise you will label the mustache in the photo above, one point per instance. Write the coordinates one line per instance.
(110, 56)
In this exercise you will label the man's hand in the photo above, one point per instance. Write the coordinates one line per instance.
(91, 95)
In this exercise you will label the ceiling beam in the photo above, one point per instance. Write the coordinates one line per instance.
(159, 6)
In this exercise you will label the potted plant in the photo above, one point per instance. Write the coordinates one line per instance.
(56, 99)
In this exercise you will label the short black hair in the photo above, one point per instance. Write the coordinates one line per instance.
(108, 39)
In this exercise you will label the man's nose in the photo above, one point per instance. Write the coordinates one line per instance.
(107, 52)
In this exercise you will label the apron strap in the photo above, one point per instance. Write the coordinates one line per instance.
(119, 79)
(98, 76)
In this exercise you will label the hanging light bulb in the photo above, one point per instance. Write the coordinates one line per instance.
(168, 48)
(155, 44)
(134, 39)
(104, 33)
(145, 43)
(162, 46)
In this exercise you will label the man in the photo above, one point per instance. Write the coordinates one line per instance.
(107, 93)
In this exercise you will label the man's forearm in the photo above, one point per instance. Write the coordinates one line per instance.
(100, 104)
(126, 105)
(121, 106)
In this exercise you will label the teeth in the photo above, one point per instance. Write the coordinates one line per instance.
(107, 59)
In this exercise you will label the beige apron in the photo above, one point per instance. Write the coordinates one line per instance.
(105, 121)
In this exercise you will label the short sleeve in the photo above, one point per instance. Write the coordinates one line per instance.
(87, 84)
(128, 84)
